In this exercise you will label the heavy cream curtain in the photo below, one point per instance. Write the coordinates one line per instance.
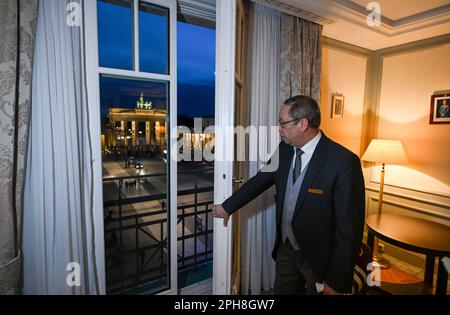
(17, 35)
(301, 57)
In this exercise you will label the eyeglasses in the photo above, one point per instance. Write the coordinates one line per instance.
(284, 123)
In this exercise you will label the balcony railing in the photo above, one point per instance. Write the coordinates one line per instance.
(136, 232)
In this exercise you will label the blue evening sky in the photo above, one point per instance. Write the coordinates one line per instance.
(196, 60)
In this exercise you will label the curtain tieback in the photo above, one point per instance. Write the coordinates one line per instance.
(9, 275)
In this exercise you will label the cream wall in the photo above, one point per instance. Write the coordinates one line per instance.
(387, 95)
(421, 188)
(344, 72)
(409, 75)
(408, 81)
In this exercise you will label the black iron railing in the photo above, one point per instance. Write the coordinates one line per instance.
(136, 232)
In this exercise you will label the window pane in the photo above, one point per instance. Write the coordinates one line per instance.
(153, 38)
(195, 78)
(135, 179)
(196, 68)
(115, 33)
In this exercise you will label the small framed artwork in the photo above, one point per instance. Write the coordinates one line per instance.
(439, 109)
(337, 107)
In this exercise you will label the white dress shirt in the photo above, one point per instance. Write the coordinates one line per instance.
(308, 150)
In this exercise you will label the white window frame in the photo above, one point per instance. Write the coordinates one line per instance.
(93, 72)
(224, 140)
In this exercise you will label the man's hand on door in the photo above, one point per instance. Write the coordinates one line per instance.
(219, 212)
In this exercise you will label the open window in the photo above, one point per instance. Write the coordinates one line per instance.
(154, 212)
(134, 82)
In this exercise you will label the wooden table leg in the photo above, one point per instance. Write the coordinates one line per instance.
(429, 270)
(370, 241)
(442, 278)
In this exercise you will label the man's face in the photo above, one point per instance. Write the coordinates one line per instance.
(289, 131)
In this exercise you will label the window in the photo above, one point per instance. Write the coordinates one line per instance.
(135, 76)
(137, 97)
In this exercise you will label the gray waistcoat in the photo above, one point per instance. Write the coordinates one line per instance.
(290, 199)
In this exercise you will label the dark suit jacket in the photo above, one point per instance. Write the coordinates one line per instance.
(329, 215)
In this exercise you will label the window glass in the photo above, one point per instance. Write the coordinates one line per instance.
(153, 38)
(115, 33)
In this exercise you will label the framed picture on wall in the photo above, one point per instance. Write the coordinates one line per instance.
(439, 109)
(337, 106)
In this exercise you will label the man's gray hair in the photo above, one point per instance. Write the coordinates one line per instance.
(304, 106)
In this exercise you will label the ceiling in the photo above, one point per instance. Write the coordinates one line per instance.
(397, 9)
(402, 21)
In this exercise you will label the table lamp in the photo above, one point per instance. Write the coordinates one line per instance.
(383, 151)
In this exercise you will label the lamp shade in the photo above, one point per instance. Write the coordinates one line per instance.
(385, 151)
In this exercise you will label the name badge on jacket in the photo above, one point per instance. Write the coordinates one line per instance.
(315, 191)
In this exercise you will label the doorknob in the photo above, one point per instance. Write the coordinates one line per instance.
(238, 181)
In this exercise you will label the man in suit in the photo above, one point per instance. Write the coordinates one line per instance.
(320, 205)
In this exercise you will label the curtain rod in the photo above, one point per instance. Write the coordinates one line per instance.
(289, 9)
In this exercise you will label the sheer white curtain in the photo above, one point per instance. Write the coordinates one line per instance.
(58, 218)
(258, 217)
